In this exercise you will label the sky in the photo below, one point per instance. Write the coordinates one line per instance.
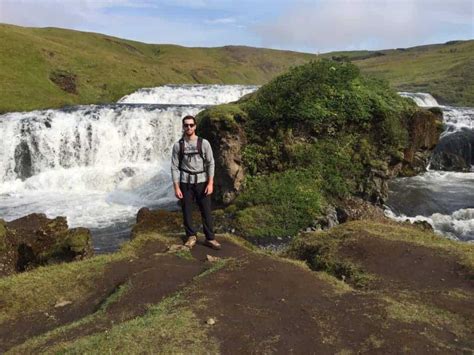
(314, 26)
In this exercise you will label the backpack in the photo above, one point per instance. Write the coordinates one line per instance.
(181, 156)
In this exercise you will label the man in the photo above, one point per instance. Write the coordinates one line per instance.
(192, 170)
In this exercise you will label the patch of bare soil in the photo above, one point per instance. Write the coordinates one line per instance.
(152, 277)
(264, 305)
(405, 267)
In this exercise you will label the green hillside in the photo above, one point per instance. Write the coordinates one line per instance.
(444, 70)
(95, 68)
(51, 67)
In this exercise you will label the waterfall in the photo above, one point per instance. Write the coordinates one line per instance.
(421, 99)
(189, 94)
(98, 164)
(442, 198)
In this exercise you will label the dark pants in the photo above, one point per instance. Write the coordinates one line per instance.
(196, 192)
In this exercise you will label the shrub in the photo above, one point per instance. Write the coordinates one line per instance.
(278, 204)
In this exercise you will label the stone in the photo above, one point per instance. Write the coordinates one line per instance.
(36, 240)
(62, 303)
(174, 248)
(211, 321)
(212, 259)
(455, 152)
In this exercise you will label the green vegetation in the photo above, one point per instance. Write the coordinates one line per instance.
(312, 135)
(320, 251)
(444, 70)
(40, 289)
(167, 328)
(51, 67)
(170, 326)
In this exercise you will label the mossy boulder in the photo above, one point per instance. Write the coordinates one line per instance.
(223, 126)
(313, 137)
(36, 240)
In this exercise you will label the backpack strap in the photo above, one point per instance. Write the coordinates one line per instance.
(199, 148)
(181, 152)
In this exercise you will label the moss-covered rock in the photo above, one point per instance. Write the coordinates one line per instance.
(223, 127)
(35, 240)
(316, 135)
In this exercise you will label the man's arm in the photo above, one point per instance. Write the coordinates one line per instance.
(210, 166)
(175, 173)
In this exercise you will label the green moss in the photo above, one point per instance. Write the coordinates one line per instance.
(278, 204)
(320, 251)
(79, 240)
(227, 117)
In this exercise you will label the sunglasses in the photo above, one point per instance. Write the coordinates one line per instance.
(191, 125)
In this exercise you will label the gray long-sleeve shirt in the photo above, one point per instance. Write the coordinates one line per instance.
(192, 162)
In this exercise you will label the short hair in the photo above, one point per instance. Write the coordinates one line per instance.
(189, 117)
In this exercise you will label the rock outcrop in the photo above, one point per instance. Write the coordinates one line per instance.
(36, 240)
(455, 152)
(424, 129)
(223, 128)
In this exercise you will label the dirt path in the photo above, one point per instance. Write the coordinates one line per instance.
(265, 304)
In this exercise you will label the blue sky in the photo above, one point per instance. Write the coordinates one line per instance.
(301, 25)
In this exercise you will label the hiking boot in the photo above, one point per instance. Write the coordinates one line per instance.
(191, 241)
(214, 244)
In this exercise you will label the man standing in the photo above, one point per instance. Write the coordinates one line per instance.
(192, 170)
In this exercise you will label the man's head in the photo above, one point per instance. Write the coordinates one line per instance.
(189, 125)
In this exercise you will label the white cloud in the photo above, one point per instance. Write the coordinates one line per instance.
(346, 24)
(221, 21)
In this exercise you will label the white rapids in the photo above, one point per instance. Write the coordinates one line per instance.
(97, 164)
(444, 199)
(189, 94)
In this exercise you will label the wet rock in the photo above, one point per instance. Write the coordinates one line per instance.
(424, 129)
(23, 161)
(36, 240)
(455, 152)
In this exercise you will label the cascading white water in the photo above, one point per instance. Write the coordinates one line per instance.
(421, 99)
(98, 164)
(189, 94)
(444, 199)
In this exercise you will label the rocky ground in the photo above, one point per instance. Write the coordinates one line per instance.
(359, 287)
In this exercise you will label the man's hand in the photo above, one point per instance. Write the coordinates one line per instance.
(209, 189)
(177, 192)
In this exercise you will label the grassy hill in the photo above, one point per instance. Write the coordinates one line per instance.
(95, 68)
(444, 70)
(51, 67)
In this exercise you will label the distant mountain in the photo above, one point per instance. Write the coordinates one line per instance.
(52, 67)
